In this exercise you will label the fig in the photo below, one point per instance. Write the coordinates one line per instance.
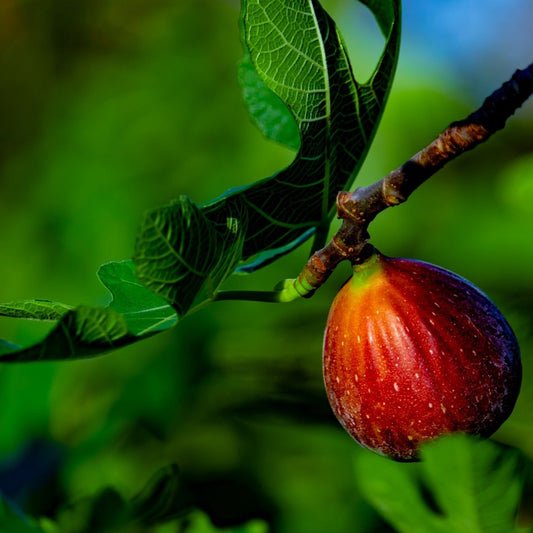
(412, 352)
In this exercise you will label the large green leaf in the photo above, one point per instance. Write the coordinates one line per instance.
(185, 252)
(133, 313)
(336, 115)
(300, 59)
(462, 485)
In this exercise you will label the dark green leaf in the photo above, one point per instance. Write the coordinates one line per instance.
(6, 346)
(11, 522)
(384, 12)
(162, 499)
(474, 486)
(199, 522)
(271, 255)
(82, 332)
(337, 116)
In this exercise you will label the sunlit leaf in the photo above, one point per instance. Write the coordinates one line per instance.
(299, 54)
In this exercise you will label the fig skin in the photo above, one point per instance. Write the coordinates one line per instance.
(413, 352)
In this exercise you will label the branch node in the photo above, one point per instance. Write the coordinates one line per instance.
(391, 195)
(349, 208)
(344, 251)
(344, 205)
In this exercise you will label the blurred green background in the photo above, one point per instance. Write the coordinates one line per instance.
(110, 108)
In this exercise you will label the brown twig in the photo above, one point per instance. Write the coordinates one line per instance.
(359, 208)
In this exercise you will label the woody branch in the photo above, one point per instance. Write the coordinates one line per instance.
(357, 209)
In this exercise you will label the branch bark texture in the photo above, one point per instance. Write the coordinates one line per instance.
(357, 209)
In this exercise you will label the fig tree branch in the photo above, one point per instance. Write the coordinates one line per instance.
(357, 209)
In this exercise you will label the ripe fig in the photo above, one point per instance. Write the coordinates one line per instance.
(412, 352)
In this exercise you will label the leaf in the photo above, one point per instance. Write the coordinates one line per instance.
(300, 59)
(6, 346)
(11, 522)
(462, 485)
(337, 116)
(133, 313)
(271, 255)
(199, 522)
(144, 311)
(384, 12)
(476, 483)
(162, 500)
(34, 309)
(81, 332)
(184, 252)
(266, 109)
(183, 256)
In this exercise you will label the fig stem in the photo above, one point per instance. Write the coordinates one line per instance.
(357, 209)
(283, 295)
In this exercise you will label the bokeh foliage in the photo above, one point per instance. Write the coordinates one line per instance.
(111, 108)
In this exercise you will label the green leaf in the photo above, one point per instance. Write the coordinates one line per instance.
(336, 116)
(298, 58)
(199, 522)
(163, 500)
(10, 522)
(133, 313)
(81, 332)
(462, 485)
(266, 109)
(384, 12)
(6, 346)
(184, 252)
(183, 256)
(34, 309)
(144, 311)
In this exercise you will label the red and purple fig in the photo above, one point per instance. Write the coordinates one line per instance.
(413, 352)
